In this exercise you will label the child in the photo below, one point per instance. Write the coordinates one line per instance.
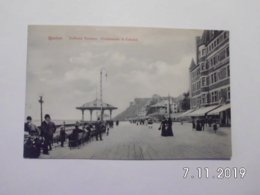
(62, 135)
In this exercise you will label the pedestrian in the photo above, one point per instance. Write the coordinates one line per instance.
(98, 128)
(209, 122)
(62, 135)
(215, 127)
(193, 124)
(169, 127)
(150, 123)
(31, 128)
(89, 128)
(202, 124)
(163, 127)
(198, 125)
(107, 126)
(48, 128)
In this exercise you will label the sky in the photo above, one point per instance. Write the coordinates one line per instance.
(64, 64)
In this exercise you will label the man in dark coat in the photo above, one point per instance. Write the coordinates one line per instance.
(48, 128)
(98, 128)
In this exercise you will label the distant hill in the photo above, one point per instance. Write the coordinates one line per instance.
(134, 108)
(141, 106)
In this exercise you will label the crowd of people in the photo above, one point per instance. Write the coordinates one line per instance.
(41, 139)
(198, 124)
(165, 125)
(201, 123)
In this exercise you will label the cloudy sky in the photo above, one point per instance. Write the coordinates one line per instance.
(63, 65)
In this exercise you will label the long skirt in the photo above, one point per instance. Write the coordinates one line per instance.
(164, 132)
(169, 131)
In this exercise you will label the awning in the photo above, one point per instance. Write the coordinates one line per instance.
(176, 115)
(202, 111)
(184, 114)
(220, 109)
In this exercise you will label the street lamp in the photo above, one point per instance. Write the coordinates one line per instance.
(41, 102)
(101, 93)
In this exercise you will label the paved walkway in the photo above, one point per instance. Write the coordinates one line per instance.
(128, 141)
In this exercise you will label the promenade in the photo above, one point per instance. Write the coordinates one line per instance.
(131, 142)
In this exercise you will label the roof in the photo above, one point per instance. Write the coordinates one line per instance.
(96, 105)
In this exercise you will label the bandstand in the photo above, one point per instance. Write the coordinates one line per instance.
(96, 105)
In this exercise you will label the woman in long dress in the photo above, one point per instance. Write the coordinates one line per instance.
(169, 127)
(163, 128)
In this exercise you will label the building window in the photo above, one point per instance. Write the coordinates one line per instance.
(204, 52)
(228, 71)
(203, 99)
(214, 77)
(203, 81)
(221, 38)
(228, 93)
(222, 55)
(208, 98)
(225, 35)
(216, 96)
(222, 73)
(202, 66)
(212, 97)
(207, 64)
(227, 51)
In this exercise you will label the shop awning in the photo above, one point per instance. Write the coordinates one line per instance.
(184, 114)
(220, 109)
(202, 111)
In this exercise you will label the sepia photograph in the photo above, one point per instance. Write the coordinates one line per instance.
(127, 93)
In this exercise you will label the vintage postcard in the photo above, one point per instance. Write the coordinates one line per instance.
(127, 93)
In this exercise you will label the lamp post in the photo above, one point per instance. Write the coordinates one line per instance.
(41, 102)
(169, 104)
(101, 94)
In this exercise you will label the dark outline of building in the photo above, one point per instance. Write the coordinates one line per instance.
(210, 75)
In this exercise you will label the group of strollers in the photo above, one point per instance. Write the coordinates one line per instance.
(75, 136)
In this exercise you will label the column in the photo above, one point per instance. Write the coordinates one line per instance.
(90, 114)
(110, 112)
(102, 115)
(82, 115)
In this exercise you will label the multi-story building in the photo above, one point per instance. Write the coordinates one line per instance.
(210, 75)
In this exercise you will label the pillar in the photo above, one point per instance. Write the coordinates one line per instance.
(82, 115)
(110, 114)
(90, 114)
(102, 115)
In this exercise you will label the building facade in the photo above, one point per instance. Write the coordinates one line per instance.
(210, 74)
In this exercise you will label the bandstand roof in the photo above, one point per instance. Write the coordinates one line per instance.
(96, 105)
